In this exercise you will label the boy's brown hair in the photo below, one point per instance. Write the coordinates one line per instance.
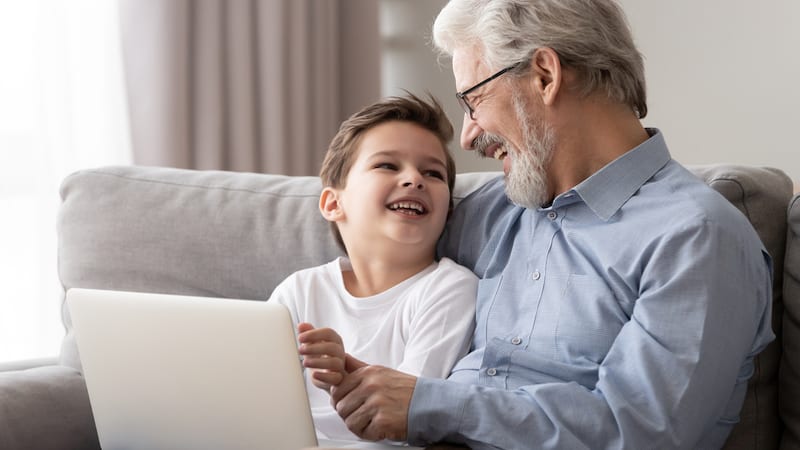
(343, 148)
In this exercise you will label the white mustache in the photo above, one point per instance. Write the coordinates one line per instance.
(483, 141)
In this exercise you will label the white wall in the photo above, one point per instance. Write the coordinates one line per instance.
(723, 75)
(723, 78)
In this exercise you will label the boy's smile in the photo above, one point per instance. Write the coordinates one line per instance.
(410, 207)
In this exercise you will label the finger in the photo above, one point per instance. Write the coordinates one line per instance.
(322, 348)
(322, 363)
(358, 422)
(378, 418)
(341, 394)
(328, 378)
(303, 327)
(319, 334)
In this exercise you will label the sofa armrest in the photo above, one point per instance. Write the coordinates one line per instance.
(790, 360)
(23, 364)
(45, 407)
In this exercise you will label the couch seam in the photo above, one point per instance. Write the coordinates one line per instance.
(199, 186)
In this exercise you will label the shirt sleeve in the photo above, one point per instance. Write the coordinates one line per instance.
(286, 295)
(440, 330)
(676, 370)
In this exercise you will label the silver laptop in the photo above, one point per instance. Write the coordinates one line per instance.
(180, 372)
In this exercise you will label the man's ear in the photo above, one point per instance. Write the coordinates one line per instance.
(547, 74)
(329, 205)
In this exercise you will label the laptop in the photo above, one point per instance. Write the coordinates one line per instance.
(182, 372)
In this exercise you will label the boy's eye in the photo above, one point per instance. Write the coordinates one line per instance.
(386, 165)
(435, 174)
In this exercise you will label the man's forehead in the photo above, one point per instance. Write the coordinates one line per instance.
(467, 66)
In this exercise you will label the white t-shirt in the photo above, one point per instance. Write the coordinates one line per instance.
(420, 326)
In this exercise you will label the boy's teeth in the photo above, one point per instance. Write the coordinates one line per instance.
(407, 205)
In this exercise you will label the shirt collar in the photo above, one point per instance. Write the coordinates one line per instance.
(609, 188)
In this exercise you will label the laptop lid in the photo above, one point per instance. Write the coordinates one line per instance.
(169, 372)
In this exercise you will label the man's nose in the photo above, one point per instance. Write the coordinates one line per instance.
(470, 130)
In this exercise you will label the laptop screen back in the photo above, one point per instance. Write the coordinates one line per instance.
(168, 371)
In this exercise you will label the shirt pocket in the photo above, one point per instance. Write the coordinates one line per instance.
(588, 317)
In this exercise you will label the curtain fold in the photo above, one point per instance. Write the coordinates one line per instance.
(245, 85)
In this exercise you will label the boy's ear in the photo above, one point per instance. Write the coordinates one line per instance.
(329, 205)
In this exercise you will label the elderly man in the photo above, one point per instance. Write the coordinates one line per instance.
(621, 301)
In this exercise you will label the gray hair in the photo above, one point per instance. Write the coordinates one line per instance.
(590, 36)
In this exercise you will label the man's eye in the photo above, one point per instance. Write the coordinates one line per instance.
(435, 174)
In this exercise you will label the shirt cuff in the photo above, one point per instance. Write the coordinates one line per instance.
(436, 411)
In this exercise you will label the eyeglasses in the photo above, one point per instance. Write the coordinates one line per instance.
(462, 96)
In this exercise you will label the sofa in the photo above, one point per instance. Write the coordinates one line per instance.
(236, 235)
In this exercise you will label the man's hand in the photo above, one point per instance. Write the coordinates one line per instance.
(374, 402)
(323, 354)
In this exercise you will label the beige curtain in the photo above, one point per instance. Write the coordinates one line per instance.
(246, 85)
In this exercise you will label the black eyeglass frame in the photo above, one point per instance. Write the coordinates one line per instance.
(462, 96)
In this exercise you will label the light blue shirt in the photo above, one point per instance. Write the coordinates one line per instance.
(625, 315)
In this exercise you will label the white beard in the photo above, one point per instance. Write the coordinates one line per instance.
(526, 182)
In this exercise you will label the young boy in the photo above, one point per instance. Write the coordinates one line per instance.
(387, 182)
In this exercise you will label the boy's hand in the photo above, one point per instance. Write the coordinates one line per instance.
(323, 354)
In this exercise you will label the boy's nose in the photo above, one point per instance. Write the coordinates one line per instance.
(418, 185)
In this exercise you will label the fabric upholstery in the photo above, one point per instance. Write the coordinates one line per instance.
(789, 400)
(45, 408)
(238, 234)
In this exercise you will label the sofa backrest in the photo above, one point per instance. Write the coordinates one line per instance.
(237, 235)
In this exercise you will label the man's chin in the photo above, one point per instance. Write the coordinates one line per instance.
(526, 196)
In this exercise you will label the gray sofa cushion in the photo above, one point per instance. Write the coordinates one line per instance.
(45, 408)
(790, 363)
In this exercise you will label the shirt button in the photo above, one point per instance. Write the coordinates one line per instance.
(491, 371)
(552, 215)
(536, 275)
(516, 340)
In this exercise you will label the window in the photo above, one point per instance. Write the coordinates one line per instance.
(62, 109)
